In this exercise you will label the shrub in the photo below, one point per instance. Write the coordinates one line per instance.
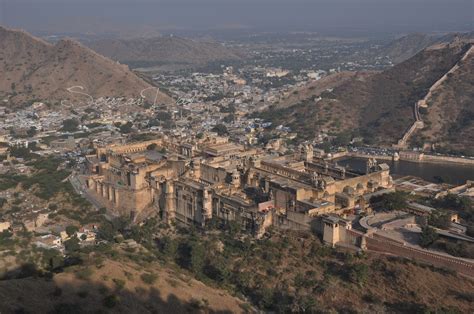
(111, 301)
(120, 283)
(72, 244)
(428, 236)
(84, 273)
(390, 201)
(71, 230)
(148, 278)
(359, 273)
(70, 125)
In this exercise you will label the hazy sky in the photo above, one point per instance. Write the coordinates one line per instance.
(326, 16)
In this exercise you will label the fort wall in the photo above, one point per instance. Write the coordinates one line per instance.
(383, 245)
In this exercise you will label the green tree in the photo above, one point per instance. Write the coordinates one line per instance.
(72, 245)
(168, 246)
(71, 230)
(163, 116)
(198, 256)
(440, 219)
(70, 125)
(390, 201)
(20, 152)
(126, 128)
(31, 131)
(52, 259)
(191, 255)
(216, 268)
(342, 139)
(106, 231)
(149, 278)
(220, 129)
(428, 236)
(359, 273)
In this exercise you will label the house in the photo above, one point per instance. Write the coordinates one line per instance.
(49, 241)
(4, 225)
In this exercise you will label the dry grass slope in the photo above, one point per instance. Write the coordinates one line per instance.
(87, 290)
(33, 69)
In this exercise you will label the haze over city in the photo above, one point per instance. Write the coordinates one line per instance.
(364, 17)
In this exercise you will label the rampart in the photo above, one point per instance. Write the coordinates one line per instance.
(380, 244)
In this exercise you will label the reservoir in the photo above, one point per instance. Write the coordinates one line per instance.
(449, 173)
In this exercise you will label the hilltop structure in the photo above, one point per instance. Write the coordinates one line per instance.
(212, 178)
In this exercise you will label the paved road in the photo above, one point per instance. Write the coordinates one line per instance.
(445, 233)
(80, 189)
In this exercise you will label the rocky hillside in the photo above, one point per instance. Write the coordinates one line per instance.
(33, 69)
(288, 272)
(144, 52)
(118, 287)
(449, 117)
(380, 106)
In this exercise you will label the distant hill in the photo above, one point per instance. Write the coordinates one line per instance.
(147, 52)
(380, 106)
(407, 46)
(33, 69)
(314, 89)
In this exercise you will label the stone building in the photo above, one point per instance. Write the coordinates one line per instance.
(212, 179)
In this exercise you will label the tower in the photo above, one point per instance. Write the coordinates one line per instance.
(170, 203)
(196, 167)
(206, 205)
(235, 178)
(308, 152)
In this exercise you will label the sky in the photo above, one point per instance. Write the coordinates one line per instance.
(325, 16)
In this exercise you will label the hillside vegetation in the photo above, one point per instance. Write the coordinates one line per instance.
(285, 272)
(380, 106)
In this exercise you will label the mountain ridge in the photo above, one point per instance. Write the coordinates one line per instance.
(380, 106)
(164, 50)
(36, 70)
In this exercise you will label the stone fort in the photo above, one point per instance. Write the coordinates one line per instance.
(196, 181)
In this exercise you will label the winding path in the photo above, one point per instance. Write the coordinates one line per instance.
(73, 91)
(156, 95)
